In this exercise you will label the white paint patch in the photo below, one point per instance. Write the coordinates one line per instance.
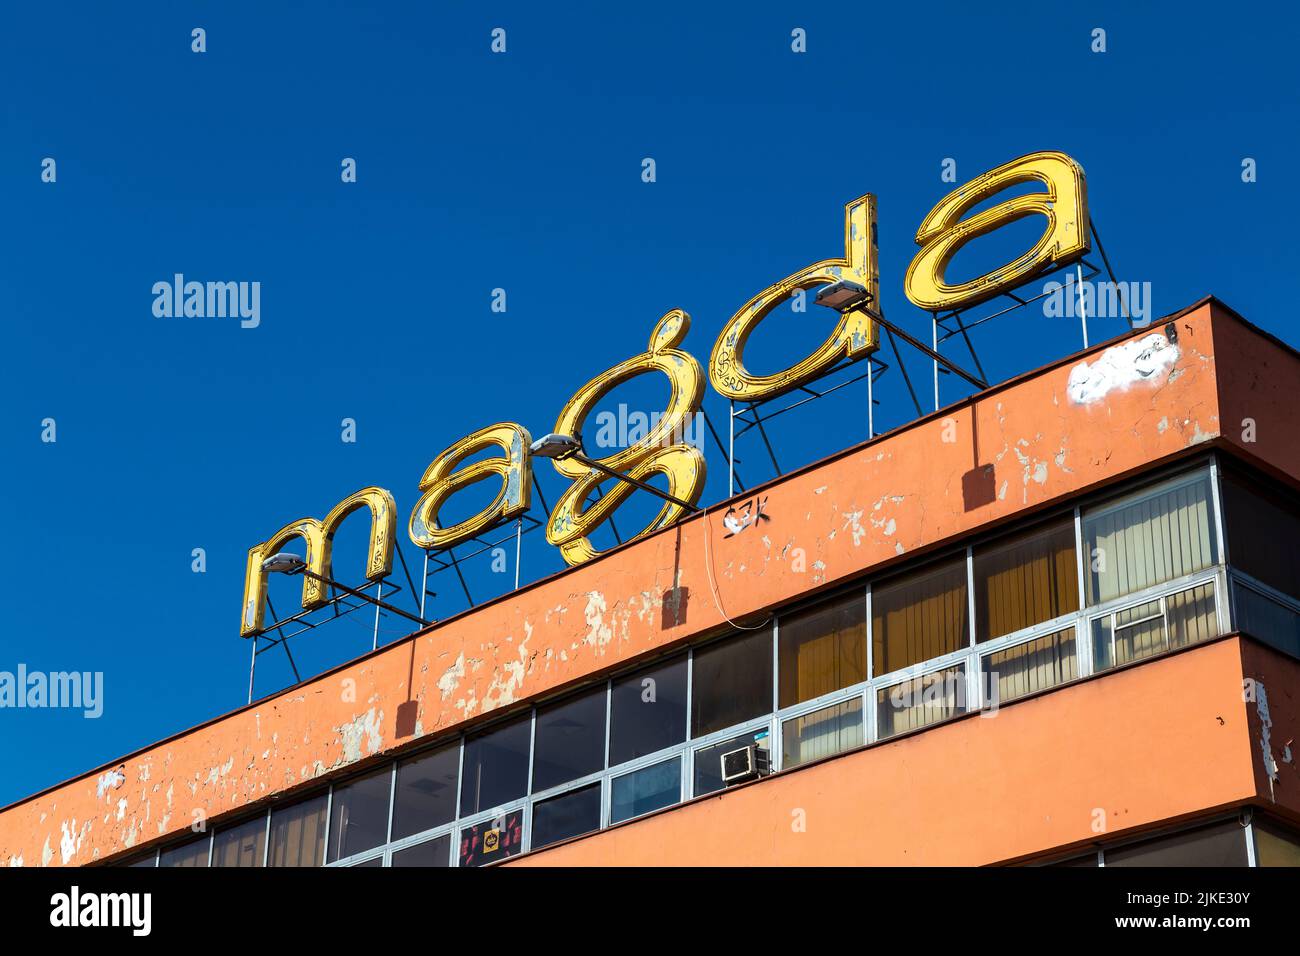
(451, 677)
(1265, 735)
(1147, 359)
(109, 781)
(367, 729)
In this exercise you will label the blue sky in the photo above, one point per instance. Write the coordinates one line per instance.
(521, 171)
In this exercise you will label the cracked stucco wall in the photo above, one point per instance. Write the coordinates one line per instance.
(1027, 444)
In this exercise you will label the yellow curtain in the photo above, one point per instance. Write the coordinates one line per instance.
(823, 649)
(919, 616)
(1024, 581)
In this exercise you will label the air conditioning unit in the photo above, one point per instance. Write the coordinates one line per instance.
(745, 763)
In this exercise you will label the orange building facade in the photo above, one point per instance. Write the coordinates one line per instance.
(1058, 621)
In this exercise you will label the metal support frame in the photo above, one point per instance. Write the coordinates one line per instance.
(751, 415)
(1072, 282)
(344, 600)
(523, 525)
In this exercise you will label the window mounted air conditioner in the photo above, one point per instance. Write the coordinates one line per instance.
(745, 763)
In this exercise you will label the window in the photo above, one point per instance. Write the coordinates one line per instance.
(648, 711)
(373, 863)
(920, 701)
(492, 840)
(149, 860)
(919, 616)
(1223, 844)
(1275, 845)
(1025, 580)
(570, 739)
(645, 790)
(496, 766)
(568, 815)
(432, 853)
(298, 833)
(242, 845)
(359, 815)
(1267, 619)
(1169, 621)
(426, 791)
(193, 853)
(822, 733)
(1161, 536)
(1262, 527)
(732, 682)
(708, 760)
(1029, 667)
(822, 649)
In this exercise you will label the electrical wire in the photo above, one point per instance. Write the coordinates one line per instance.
(713, 584)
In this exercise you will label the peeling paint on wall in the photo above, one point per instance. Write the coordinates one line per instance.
(1147, 359)
(1265, 735)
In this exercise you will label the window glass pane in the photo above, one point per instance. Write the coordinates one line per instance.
(822, 649)
(1149, 541)
(243, 845)
(1265, 619)
(565, 816)
(1262, 527)
(708, 760)
(822, 733)
(492, 840)
(433, 853)
(650, 788)
(920, 701)
(1025, 580)
(1192, 615)
(373, 863)
(919, 616)
(298, 833)
(1221, 845)
(1029, 667)
(732, 682)
(1275, 846)
(1136, 632)
(496, 766)
(150, 860)
(648, 711)
(359, 817)
(193, 853)
(570, 739)
(426, 791)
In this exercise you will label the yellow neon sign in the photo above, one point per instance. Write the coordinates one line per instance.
(441, 481)
(663, 451)
(855, 336)
(660, 451)
(944, 232)
(318, 536)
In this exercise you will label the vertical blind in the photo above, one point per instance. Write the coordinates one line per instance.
(823, 650)
(920, 701)
(1033, 666)
(1025, 580)
(298, 834)
(822, 733)
(919, 616)
(1149, 541)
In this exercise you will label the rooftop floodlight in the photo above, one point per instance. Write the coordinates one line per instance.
(843, 296)
(555, 446)
(286, 562)
(563, 447)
